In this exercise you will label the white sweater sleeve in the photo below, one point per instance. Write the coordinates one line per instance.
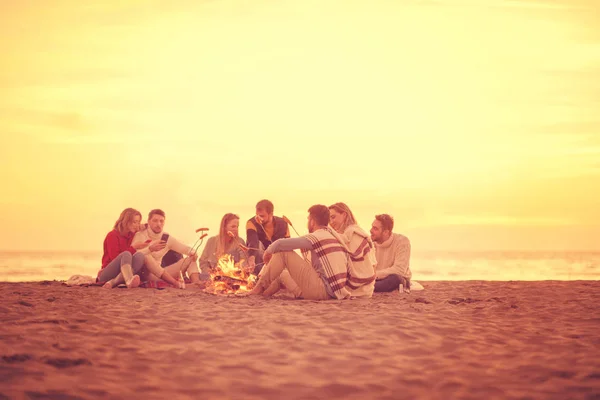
(177, 246)
(401, 263)
(140, 238)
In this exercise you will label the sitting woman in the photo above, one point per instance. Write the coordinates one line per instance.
(226, 242)
(120, 262)
(361, 278)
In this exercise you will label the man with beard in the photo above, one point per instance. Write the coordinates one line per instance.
(160, 243)
(392, 251)
(263, 229)
(324, 276)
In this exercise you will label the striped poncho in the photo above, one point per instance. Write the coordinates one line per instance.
(346, 260)
(361, 271)
(334, 258)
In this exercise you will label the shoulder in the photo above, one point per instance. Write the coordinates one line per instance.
(279, 221)
(251, 224)
(400, 239)
(355, 230)
(242, 241)
(139, 235)
(112, 234)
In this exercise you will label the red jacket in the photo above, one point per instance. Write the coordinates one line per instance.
(115, 244)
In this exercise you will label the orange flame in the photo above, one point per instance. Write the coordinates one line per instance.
(228, 278)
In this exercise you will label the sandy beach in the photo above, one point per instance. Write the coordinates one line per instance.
(467, 339)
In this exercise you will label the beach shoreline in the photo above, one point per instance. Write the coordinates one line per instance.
(455, 339)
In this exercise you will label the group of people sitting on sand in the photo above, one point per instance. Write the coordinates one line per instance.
(339, 259)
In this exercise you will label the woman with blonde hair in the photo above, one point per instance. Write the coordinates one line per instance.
(341, 217)
(120, 262)
(227, 241)
(361, 277)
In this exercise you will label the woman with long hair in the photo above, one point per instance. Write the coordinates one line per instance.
(227, 241)
(121, 263)
(361, 279)
(341, 217)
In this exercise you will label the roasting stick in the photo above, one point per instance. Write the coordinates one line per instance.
(196, 246)
(304, 252)
(286, 219)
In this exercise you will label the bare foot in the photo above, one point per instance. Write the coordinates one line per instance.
(107, 285)
(178, 285)
(258, 290)
(134, 282)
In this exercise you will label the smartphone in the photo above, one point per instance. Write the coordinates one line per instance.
(164, 237)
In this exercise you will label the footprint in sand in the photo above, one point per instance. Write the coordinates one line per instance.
(15, 358)
(67, 362)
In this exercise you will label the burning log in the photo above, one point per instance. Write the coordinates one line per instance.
(228, 278)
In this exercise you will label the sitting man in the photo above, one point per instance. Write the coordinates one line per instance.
(324, 277)
(392, 251)
(160, 243)
(264, 228)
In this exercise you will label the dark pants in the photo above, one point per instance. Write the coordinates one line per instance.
(170, 258)
(391, 283)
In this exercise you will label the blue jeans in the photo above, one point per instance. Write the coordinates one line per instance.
(114, 267)
(391, 283)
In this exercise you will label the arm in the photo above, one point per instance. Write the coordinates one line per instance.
(113, 248)
(179, 247)
(401, 261)
(252, 239)
(289, 244)
(209, 248)
(242, 253)
(140, 238)
(287, 230)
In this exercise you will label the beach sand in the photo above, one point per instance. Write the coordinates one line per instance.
(453, 340)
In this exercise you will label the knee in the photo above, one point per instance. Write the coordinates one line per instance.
(138, 262)
(284, 255)
(126, 257)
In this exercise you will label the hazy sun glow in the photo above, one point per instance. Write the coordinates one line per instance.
(475, 123)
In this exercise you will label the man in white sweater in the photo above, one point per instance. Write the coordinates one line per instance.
(160, 243)
(392, 251)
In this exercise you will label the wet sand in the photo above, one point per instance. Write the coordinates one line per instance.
(467, 339)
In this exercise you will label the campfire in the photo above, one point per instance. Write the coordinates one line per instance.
(229, 278)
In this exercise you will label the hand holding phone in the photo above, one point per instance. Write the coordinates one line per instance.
(158, 246)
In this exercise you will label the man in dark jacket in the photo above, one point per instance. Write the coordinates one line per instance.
(264, 228)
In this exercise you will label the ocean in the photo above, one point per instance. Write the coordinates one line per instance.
(426, 266)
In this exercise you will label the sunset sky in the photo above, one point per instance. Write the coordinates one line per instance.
(475, 123)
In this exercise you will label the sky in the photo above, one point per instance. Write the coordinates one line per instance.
(475, 123)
